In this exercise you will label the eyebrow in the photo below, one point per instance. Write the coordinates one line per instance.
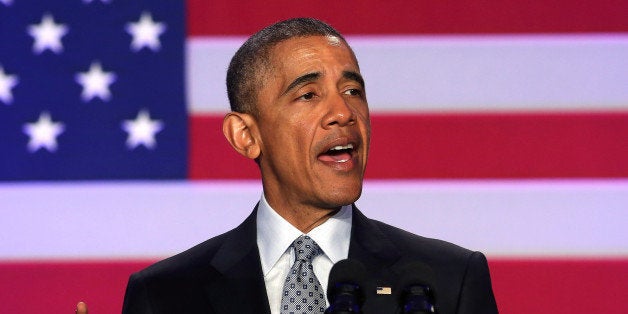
(354, 76)
(305, 78)
(311, 77)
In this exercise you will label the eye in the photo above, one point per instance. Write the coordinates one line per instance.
(307, 96)
(353, 92)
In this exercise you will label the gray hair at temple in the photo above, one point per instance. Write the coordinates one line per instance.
(245, 75)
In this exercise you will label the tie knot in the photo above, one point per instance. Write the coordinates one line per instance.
(305, 248)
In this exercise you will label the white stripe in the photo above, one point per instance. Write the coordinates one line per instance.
(156, 219)
(456, 73)
(518, 217)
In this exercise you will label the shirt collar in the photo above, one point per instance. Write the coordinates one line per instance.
(275, 234)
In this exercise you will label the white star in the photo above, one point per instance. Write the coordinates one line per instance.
(7, 82)
(145, 33)
(7, 2)
(142, 130)
(47, 35)
(43, 133)
(95, 82)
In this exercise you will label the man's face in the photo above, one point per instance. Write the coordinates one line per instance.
(313, 125)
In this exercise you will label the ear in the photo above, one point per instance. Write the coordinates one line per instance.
(240, 129)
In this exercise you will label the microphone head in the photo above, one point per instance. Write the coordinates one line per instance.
(416, 273)
(417, 288)
(346, 276)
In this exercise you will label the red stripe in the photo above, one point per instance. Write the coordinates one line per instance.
(520, 286)
(211, 156)
(557, 287)
(576, 145)
(56, 287)
(414, 17)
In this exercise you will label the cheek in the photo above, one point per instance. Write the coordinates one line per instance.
(365, 122)
(361, 111)
(303, 128)
(295, 137)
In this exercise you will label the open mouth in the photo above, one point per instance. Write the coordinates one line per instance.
(338, 154)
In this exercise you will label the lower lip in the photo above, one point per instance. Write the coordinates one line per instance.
(339, 165)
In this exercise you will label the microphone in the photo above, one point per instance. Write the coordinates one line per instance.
(417, 289)
(345, 289)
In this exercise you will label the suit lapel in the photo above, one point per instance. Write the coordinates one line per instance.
(369, 245)
(376, 251)
(241, 287)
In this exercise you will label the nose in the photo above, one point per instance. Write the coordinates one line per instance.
(339, 113)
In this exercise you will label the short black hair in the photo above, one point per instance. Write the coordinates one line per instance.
(244, 76)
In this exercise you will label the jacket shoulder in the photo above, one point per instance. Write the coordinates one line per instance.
(461, 276)
(189, 260)
(428, 248)
(175, 284)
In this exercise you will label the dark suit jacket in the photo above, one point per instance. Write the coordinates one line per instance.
(224, 275)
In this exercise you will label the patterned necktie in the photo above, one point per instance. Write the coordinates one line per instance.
(302, 292)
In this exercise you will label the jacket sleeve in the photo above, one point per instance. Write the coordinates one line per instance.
(476, 296)
(136, 297)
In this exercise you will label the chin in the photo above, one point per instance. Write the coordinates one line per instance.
(340, 197)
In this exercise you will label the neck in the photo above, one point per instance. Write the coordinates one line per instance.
(304, 218)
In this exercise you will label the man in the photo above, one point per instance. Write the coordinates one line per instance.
(299, 110)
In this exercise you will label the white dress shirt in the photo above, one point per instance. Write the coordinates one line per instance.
(275, 235)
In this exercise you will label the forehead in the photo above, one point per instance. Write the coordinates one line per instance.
(312, 52)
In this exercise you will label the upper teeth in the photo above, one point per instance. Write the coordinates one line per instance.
(340, 147)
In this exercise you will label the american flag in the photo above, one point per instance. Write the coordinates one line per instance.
(501, 126)
(92, 90)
